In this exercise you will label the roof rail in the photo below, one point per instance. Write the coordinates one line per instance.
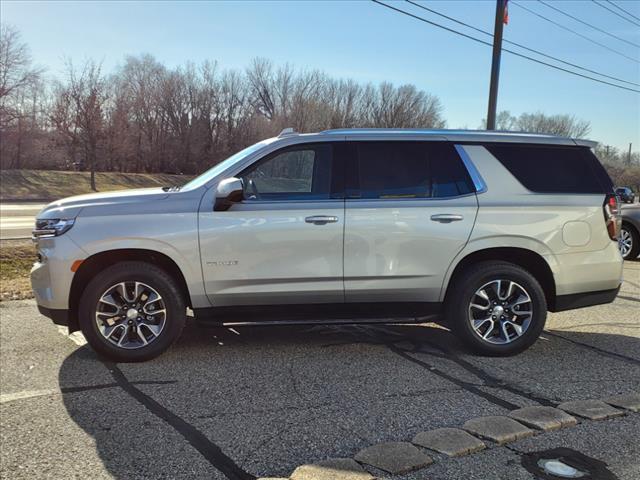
(287, 131)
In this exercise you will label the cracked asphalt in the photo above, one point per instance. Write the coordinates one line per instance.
(259, 401)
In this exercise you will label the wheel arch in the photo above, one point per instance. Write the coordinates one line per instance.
(97, 262)
(631, 224)
(530, 260)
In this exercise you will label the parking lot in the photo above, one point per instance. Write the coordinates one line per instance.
(259, 402)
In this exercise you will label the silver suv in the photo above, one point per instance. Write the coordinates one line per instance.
(488, 231)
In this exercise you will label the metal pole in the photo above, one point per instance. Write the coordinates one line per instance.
(495, 65)
(629, 156)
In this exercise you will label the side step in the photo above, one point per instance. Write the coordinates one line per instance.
(323, 314)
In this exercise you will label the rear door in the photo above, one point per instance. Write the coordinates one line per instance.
(410, 208)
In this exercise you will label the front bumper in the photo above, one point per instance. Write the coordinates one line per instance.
(59, 317)
(51, 275)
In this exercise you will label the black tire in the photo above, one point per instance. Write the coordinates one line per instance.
(462, 291)
(150, 275)
(635, 242)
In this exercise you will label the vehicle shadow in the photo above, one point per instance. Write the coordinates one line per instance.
(206, 405)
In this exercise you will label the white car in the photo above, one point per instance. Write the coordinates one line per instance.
(487, 230)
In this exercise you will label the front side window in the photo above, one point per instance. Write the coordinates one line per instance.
(295, 173)
(394, 170)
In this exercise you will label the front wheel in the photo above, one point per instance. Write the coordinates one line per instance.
(132, 312)
(496, 308)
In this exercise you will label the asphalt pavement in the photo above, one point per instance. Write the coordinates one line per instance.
(260, 401)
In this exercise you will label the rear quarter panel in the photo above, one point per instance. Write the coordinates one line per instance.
(567, 230)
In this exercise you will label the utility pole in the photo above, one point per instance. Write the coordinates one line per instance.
(629, 156)
(495, 64)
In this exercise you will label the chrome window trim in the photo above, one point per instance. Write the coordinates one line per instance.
(407, 199)
(476, 178)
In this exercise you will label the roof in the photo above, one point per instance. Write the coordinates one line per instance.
(461, 135)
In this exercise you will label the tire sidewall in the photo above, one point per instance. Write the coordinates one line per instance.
(132, 271)
(468, 284)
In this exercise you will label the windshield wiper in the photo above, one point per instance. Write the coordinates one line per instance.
(171, 188)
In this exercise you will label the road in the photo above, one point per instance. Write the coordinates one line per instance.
(261, 401)
(17, 219)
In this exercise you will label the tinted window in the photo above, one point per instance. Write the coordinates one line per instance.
(409, 170)
(553, 169)
(301, 172)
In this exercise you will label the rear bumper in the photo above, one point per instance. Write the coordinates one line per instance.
(586, 273)
(59, 317)
(586, 299)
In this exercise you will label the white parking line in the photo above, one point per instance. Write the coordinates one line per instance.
(10, 397)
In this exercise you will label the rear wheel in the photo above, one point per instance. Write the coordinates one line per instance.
(629, 242)
(496, 308)
(132, 311)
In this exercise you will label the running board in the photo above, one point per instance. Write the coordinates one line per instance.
(319, 314)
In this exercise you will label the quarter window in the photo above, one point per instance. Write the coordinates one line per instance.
(393, 170)
(553, 169)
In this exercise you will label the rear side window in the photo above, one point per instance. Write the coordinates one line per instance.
(392, 170)
(553, 169)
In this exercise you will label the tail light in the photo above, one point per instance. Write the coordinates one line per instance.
(611, 216)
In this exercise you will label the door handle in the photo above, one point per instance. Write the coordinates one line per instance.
(446, 217)
(321, 219)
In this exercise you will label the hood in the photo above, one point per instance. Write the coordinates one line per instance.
(70, 207)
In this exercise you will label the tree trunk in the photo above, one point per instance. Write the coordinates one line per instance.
(93, 178)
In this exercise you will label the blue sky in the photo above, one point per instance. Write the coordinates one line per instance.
(364, 41)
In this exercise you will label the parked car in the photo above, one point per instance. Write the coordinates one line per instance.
(488, 230)
(630, 232)
(626, 194)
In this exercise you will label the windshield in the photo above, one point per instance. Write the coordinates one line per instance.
(216, 170)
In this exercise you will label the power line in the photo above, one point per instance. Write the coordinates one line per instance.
(588, 24)
(504, 49)
(623, 10)
(616, 13)
(574, 32)
(520, 45)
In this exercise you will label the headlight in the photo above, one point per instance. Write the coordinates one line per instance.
(52, 227)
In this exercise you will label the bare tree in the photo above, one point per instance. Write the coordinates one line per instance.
(78, 114)
(562, 125)
(20, 92)
(146, 117)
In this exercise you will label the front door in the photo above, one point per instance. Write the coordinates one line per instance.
(410, 209)
(283, 243)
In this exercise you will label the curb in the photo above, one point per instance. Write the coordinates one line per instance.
(395, 458)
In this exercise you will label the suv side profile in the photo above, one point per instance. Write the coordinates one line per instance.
(487, 231)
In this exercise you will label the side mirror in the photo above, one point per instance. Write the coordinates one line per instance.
(228, 192)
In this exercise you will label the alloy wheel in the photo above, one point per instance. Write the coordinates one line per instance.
(130, 314)
(626, 242)
(500, 311)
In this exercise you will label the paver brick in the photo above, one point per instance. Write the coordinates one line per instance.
(394, 457)
(498, 429)
(450, 441)
(591, 409)
(628, 401)
(543, 418)
(332, 469)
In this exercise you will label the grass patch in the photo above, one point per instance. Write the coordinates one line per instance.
(53, 184)
(16, 260)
